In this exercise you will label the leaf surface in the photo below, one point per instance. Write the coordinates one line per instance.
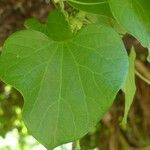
(107, 21)
(92, 6)
(34, 24)
(134, 15)
(56, 27)
(67, 85)
(129, 88)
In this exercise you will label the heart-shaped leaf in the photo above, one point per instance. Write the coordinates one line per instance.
(67, 85)
(134, 15)
(92, 6)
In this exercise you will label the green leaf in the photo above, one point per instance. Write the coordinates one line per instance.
(134, 15)
(57, 26)
(148, 58)
(129, 88)
(34, 24)
(92, 6)
(67, 85)
(107, 21)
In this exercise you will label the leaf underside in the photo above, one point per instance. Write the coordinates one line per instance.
(67, 84)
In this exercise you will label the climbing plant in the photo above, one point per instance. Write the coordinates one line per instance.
(70, 68)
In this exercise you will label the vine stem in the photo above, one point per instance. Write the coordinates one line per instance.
(88, 4)
(55, 4)
(76, 145)
(142, 77)
(61, 4)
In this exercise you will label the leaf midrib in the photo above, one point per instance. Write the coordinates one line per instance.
(59, 98)
(81, 84)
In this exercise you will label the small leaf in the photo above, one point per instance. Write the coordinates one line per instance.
(34, 24)
(58, 27)
(107, 21)
(134, 16)
(67, 85)
(129, 88)
(92, 6)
